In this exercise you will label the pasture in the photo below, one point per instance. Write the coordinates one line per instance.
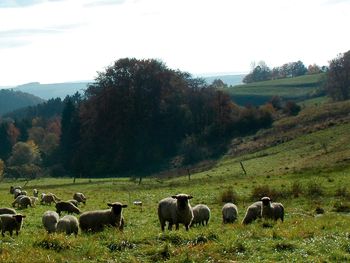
(310, 181)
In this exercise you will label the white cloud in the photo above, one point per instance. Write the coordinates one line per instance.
(64, 40)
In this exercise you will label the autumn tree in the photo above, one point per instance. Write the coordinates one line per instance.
(338, 77)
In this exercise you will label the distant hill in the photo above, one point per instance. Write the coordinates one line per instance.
(11, 100)
(298, 88)
(55, 90)
(230, 80)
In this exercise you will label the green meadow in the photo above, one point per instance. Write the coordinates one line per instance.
(308, 173)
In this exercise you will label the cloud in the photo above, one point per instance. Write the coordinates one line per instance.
(104, 2)
(23, 32)
(23, 3)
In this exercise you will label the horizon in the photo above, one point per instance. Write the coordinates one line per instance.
(195, 36)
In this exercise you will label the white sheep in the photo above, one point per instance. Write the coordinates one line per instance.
(229, 213)
(50, 220)
(253, 212)
(49, 198)
(66, 207)
(96, 220)
(5, 210)
(35, 193)
(271, 210)
(80, 197)
(201, 215)
(22, 201)
(68, 224)
(12, 188)
(175, 210)
(74, 202)
(11, 222)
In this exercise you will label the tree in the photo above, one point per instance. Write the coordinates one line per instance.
(338, 77)
(2, 168)
(260, 73)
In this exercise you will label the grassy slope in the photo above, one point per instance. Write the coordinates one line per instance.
(302, 237)
(289, 88)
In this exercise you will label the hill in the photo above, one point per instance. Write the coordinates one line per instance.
(307, 173)
(230, 80)
(11, 100)
(298, 88)
(55, 90)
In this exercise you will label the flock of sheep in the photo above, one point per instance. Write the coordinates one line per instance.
(175, 210)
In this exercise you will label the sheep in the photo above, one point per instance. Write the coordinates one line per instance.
(175, 210)
(35, 193)
(49, 198)
(201, 215)
(22, 201)
(80, 197)
(12, 189)
(11, 222)
(68, 224)
(17, 192)
(74, 202)
(5, 210)
(271, 210)
(66, 206)
(96, 220)
(33, 200)
(229, 213)
(50, 220)
(253, 212)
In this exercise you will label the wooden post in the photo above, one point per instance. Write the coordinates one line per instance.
(189, 174)
(245, 172)
(140, 180)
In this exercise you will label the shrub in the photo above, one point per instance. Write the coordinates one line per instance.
(296, 189)
(315, 190)
(229, 196)
(341, 207)
(342, 192)
(264, 190)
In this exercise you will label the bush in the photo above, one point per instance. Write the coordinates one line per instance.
(341, 207)
(342, 192)
(229, 196)
(296, 189)
(315, 190)
(264, 190)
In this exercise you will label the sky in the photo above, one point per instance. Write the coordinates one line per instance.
(51, 41)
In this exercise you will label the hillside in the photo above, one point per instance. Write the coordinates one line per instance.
(55, 90)
(257, 93)
(308, 174)
(11, 100)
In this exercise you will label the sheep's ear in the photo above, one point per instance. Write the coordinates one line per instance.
(124, 206)
(189, 197)
(23, 216)
(109, 204)
(174, 196)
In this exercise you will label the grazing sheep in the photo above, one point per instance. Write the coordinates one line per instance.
(35, 193)
(253, 212)
(22, 201)
(229, 213)
(201, 215)
(33, 200)
(270, 210)
(175, 210)
(74, 202)
(12, 189)
(48, 198)
(50, 220)
(17, 192)
(80, 197)
(68, 224)
(67, 207)
(5, 210)
(96, 220)
(10, 223)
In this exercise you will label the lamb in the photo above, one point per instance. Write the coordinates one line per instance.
(96, 220)
(201, 215)
(35, 193)
(175, 210)
(229, 213)
(50, 220)
(17, 192)
(49, 198)
(271, 210)
(11, 222)
(22, 201)
(12, 189)
(66, 206)
(253, 212)
(68, 224)
(5, 210)
(33, 200)
(80, 197)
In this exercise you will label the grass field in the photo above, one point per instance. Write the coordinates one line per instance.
(305, 174)
(289, 88)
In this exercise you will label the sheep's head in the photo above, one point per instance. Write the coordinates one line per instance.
(266, 201)
(19, 218)
(117, 207)
(182, 199)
